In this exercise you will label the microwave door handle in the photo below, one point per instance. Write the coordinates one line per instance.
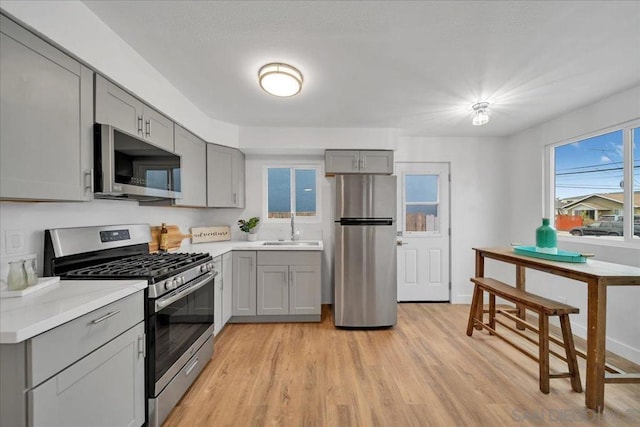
(163, 302)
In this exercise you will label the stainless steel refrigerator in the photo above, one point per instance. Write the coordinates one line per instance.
(365, 251)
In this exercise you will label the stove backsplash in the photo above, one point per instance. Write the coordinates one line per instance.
(29, 220)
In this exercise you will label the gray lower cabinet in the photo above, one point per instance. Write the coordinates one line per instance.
(276, 286)
(193, 171)
(288, 289)
(359, 161)
(89, 371)
(103, 389)
(46, 119)
(273, 289)
(244, 283)
(117, 107)
(217, 296)
(227, 287)
(225, 177)
(289, 282)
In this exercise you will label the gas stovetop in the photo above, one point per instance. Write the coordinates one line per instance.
(120, 252)
(154, 267)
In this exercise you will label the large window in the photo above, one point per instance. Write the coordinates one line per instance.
(291, 189)
(596, 185)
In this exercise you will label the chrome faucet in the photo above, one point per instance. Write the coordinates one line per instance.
(293, 227)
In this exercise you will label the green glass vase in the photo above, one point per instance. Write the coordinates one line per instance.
(546, 238)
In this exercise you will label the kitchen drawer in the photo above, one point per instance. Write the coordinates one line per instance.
(289, 258)
(54, 350)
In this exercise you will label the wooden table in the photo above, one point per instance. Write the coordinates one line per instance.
(598, 275)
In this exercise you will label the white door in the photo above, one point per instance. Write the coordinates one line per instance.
(423, 231)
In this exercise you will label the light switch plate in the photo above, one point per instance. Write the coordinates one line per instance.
(14, 241)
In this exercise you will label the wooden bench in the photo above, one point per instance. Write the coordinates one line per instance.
(545, 308)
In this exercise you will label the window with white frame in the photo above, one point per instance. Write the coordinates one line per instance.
(595, 184)
(291, 189)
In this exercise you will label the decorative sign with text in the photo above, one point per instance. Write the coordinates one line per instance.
(210, 234)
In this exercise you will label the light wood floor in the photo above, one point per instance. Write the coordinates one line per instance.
(423, 372)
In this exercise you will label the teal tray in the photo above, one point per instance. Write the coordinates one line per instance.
(563, 256)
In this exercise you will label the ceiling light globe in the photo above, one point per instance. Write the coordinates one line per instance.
(480, 113)
(280, 79)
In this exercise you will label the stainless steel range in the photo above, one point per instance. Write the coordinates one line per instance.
(179, 311)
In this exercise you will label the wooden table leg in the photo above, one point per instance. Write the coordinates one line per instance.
(596, 336)
(480, 273)
(521, 284)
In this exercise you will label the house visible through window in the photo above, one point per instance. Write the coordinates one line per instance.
(291, 189)
(590, 185)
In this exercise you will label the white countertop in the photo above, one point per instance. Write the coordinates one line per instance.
(218, 248)
(25, 317)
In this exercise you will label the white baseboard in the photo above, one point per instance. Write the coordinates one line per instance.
(614, 346)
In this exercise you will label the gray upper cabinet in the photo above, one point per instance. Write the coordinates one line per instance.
(46, 121)
(116, 107)
(359, 161)
(193, 171)
(225, 177)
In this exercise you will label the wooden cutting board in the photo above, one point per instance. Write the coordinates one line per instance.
(175, 237)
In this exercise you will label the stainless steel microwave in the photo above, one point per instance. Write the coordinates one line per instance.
(127, 167)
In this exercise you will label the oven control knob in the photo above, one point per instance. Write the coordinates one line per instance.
(209, 266)
(203, 268)
(175, 283)
(179, 280)
(168, 285)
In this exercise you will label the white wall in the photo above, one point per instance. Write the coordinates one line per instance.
(314, 140)
(478, 202)
(322, 230)
(525, 171)
(33, 218)
(73, 26)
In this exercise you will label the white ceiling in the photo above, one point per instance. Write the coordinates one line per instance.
(416, 66)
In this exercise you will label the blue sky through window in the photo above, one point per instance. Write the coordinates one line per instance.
(593, 165)
(279, 191)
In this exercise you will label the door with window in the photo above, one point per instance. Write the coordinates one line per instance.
(423, 231)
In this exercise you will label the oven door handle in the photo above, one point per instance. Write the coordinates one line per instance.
(163, 302)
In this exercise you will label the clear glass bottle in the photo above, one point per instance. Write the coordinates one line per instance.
(17, 277)
(546, 238)
(32, 277)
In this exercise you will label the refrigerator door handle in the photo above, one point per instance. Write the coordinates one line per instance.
(366, 221)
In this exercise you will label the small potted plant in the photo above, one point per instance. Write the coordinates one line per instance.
(250, 227)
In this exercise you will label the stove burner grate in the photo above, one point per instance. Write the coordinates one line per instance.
(144, 265)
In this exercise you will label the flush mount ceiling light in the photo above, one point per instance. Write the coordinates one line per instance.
(480, 113)
(280, 79)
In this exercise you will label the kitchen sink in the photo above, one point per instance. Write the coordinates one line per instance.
(282, 243)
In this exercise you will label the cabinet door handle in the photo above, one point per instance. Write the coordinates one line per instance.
(139, 124)
(363, 165)
(147, 131)
(142, 348)
(234, 199)
(355, 164)
(88, 180)
(105, 317)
